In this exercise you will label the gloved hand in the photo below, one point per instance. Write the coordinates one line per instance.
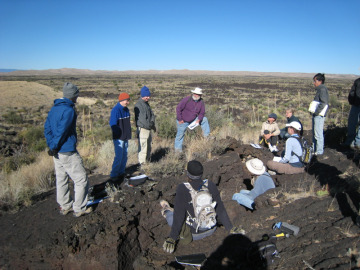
(237, 230)
(52, 152)
(169, 245)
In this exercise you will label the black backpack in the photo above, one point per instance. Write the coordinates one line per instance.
(263, 252)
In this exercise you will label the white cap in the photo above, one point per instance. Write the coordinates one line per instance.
(197, 91)
(295, 125)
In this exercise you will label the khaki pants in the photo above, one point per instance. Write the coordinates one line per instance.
(144, 140)
(283, 168)
(71, 166)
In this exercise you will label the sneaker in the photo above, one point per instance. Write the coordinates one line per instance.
(275, 149)
(64, 212)
(81, 213)
(271, 148)
(165, 207)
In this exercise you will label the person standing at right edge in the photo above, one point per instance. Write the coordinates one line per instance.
(319, 108)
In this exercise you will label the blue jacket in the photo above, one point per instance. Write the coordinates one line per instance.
(60, 126)
(293, 151)
(120, 123)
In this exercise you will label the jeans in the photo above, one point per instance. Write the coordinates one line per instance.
(318, 133)
(196, 236)
(120, 159)
(353, 121)
(71, 166)
(181, 128)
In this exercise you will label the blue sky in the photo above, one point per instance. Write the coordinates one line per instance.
(267, 35)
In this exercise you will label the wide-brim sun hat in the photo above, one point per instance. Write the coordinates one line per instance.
(255, 166)
(197, 91)
(295, 125)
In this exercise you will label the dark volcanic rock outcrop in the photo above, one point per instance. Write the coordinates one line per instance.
(128, 233)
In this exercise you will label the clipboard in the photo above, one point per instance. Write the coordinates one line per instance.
(192, 259)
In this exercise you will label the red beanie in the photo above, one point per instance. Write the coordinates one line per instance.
(123, 96)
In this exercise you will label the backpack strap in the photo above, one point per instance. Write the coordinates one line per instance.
(293, 153)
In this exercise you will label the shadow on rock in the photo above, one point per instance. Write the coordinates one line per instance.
(343, 188)
(234, 254)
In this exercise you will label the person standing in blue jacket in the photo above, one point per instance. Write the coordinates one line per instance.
(121, 133)
(61, 138)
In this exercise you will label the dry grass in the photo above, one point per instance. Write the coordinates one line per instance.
(26, 94)
(304, 190)
(105, 156)
(354, 255)
(31, 179)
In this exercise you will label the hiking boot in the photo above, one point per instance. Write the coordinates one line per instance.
(81, 213)
(64, 212)
(165, 207)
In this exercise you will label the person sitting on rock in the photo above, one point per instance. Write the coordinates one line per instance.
(190, 111)
(262, 184)
(270, 132)
(290, 163)
(182, 219)
(290, 117)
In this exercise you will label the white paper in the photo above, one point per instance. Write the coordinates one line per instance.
(255, 145)
(313, 105)
(193, 125)
(138, 177)
(323, 111)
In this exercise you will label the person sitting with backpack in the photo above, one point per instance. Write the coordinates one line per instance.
(197, 203)
(291, 162)
(262, 184)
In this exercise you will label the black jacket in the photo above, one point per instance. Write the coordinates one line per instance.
(354, 95)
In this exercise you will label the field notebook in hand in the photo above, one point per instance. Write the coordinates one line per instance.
(193, 124)
(192, 259)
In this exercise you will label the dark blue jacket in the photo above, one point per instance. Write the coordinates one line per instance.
(120, 123)
(60, 126)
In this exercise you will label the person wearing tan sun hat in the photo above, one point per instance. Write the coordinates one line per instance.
(261, 184)
(121, 134)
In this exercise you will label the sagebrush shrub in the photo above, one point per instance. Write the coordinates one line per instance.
(166, 125)
(13, 117)
(34, 138)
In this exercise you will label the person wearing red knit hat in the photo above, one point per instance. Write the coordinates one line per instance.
(121, 133)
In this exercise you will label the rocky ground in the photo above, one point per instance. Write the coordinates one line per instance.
(128, 232)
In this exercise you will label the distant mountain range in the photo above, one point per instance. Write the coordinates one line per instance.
(88, 72)
(7, 70)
